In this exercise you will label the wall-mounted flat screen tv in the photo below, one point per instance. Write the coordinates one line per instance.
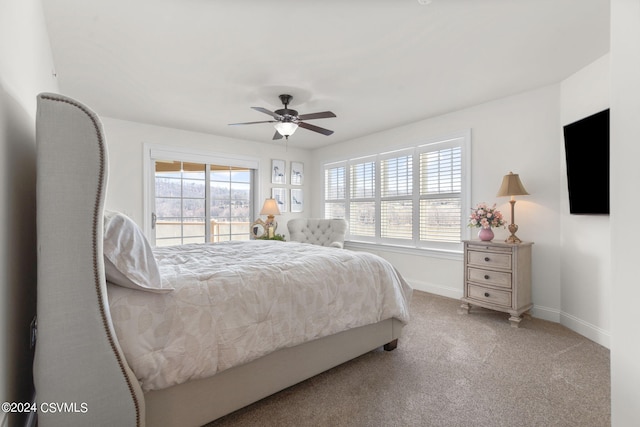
(586, 144)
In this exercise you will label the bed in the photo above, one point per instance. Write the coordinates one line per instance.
(185, 351)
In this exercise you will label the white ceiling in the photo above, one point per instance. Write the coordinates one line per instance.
(200, 64)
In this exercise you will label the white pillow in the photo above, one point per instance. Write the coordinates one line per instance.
(128, 259)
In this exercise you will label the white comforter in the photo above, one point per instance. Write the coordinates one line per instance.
(236, 301)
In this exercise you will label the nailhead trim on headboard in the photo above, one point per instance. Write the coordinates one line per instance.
(96, 218)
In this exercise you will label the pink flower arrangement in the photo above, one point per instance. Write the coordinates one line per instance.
(486, 217)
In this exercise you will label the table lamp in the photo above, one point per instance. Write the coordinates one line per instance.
(270, 208)
(512, 186)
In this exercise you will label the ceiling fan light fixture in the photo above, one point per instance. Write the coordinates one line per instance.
(286, 128)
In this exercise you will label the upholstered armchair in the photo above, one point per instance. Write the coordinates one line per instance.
(323, 232)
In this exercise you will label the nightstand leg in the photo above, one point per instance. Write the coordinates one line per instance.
(515, 320)
(464, 308)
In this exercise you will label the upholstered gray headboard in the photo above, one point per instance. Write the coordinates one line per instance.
(318, 231)
(78, 359)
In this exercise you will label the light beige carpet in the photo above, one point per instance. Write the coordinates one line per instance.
(453, 370)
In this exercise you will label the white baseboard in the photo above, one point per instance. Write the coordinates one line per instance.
(546, 313)
(432, 288)
(586, 329)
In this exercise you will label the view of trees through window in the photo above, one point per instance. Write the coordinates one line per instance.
(197, 203)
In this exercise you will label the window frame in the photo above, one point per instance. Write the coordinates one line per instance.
(153, 152)
(460, 139)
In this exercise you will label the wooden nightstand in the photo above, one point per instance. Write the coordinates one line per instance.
(498, 276)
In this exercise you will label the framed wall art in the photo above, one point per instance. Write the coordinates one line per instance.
(278, 172)
(297, 173)
(297, 200)
(280, 194)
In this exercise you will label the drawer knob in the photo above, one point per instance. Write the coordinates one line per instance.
(487, 259)
(486, 277)
(486, 294)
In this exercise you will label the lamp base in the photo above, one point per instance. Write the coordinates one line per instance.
(513, 238)
(271, 226)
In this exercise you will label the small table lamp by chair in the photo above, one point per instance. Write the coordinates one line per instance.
(512, 186)
(270, 208)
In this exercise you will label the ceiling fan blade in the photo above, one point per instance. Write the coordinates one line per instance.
(315, 128)
(322, 115)
(271, 113)
(252, 123)
(277, 135)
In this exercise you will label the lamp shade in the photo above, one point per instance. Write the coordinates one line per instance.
(270, 207)
(511, 186)
(286, 128)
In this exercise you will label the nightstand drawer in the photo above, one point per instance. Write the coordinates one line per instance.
(491, 296)
(490, 259)
(488, 247)
(495, 278)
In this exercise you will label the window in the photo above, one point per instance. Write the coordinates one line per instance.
(412, 197)
(440, 191)
(230, 202)
(334, 185)
(180, 202)
(396, 197)
(198, 201)
(362, 205)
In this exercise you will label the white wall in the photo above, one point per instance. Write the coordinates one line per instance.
(625, 205)
(586, 252)
(125, 142)
(520, 133)
(25, 70)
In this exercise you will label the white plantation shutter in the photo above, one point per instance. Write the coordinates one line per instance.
(335, 191)
(441, 171)
(413, 197)
(362, 219)
(396, 219)
(396, 202)
(335, 183)
(363, 180)
(440, 220)
(397, 176)
(440, 195)
(362, 206)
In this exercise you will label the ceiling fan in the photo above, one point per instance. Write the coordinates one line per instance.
(287, 121)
